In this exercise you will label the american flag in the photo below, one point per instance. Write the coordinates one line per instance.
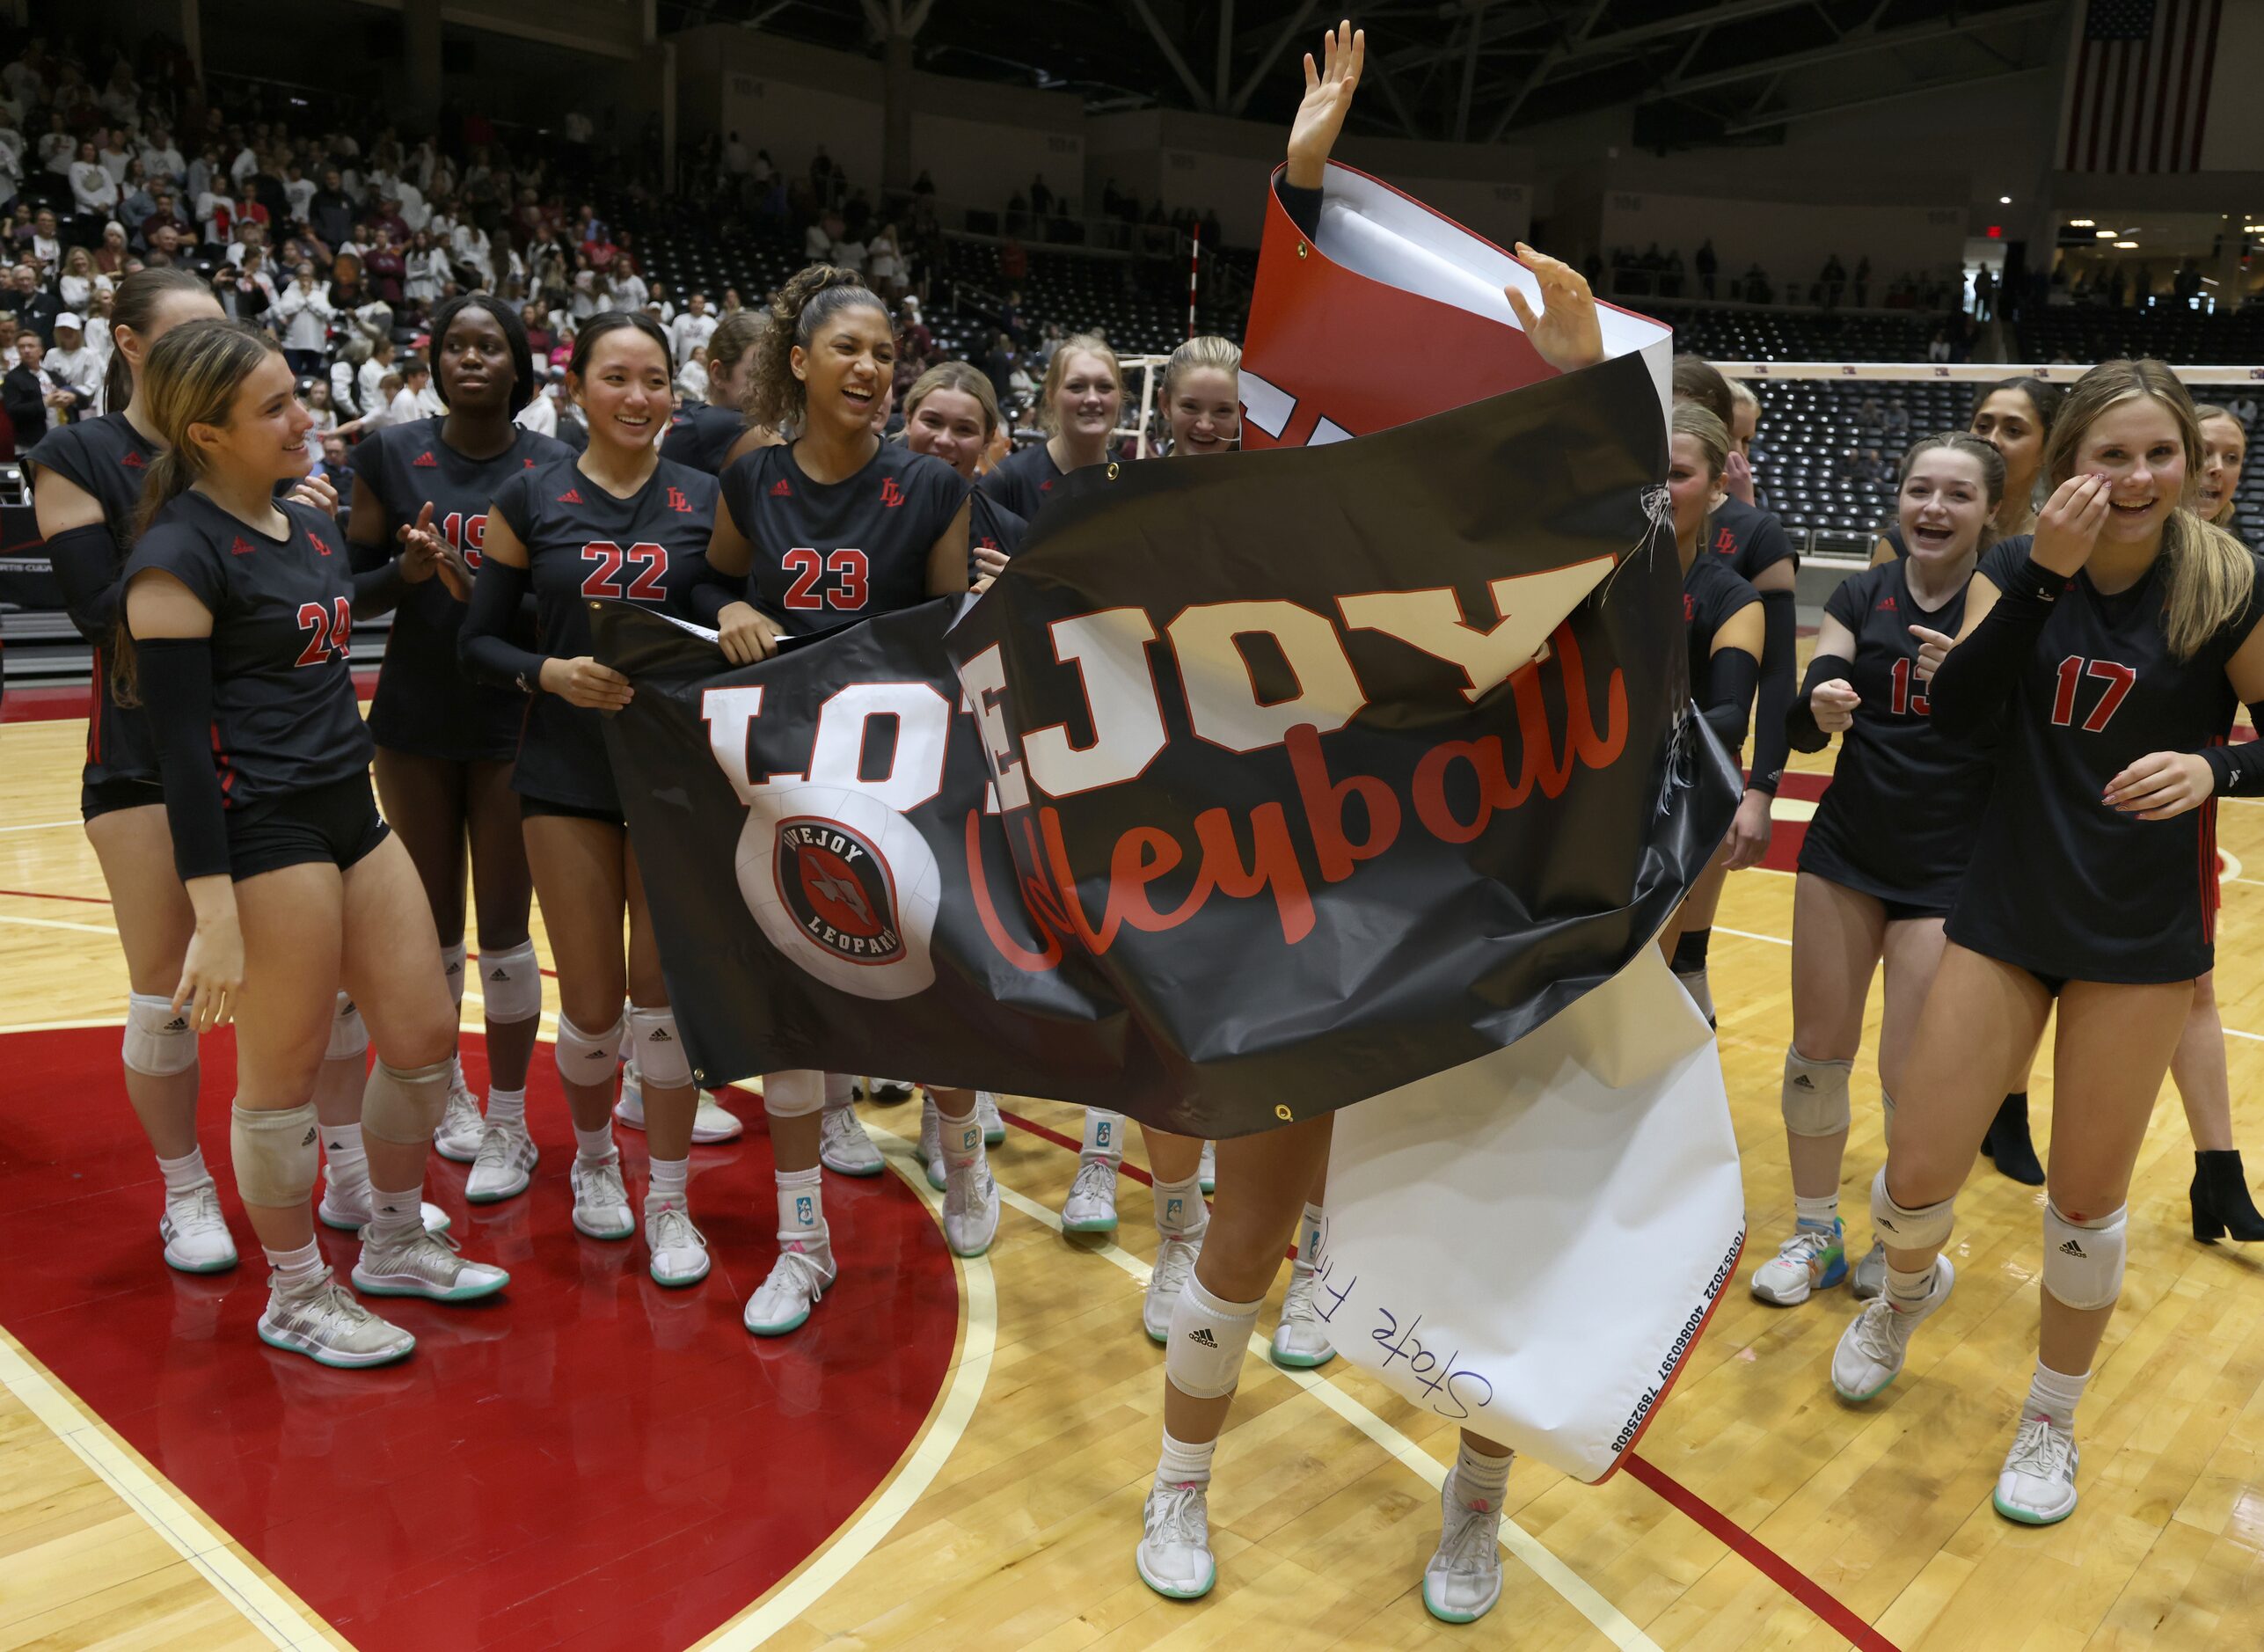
(2138, 97)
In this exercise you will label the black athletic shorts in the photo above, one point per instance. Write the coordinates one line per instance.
(338, 824)
(531, 806)
(107, 797)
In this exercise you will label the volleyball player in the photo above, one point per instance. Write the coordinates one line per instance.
(445, 743)
(1725, 635)
(87, 483)
(238, 606)
(2115, 648)
(1265, 1178)
(2222, 1204)
(835, 526)
(1078, 408)
(702, 434)
(1754, 544)
(2015, 416)
(617, 522)
(1888, 844)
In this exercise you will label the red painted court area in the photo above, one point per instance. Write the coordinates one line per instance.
(586, 1461)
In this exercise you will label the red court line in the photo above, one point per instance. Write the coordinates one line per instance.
(1774, 1566)
(40, 895)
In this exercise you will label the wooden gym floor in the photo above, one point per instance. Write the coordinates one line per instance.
(999, 1508)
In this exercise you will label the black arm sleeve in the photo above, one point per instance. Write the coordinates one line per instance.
(1730, 675)
(1303, 205)
(485, 644)
(379, 589)
(2240, 769)
(176, 683)
(1982, 672)
(1780, 648)
(86, 566)
(709, 592)
(1800, 731)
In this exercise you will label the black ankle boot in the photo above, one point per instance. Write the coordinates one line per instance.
(2007, 1143)
(2221, 1206)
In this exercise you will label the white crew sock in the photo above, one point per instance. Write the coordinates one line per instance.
(801, 1205)
(1180, 1212)
(1907, 1292)
(1185, 1465)
(2054, 1396)
(1816, 1212)
(667, 1179)
(186, 1173)
(398, 1214)
(1104, 1135)
(345, 1161)
(301, 1267)
(1479, 1479)
(1309, 1234)
(509, 1107)
(595, 1147)
(962, 1138)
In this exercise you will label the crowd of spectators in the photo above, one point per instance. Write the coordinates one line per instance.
(1653, 273)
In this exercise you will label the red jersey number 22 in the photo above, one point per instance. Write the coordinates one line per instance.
(606, 561)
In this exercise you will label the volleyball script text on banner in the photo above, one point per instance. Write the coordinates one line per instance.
(1246, 798)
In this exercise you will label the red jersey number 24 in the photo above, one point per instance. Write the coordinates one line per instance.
(606, 560)
(2117, 677)
(328, 628)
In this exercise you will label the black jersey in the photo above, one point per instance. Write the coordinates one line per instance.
(1712, 593)
(1752, 540)
(2061, 884)
(427, 703)
(106, 459)
(583, 542)
(827, 553)
(990, 526)
(1897, 820)
(284, 717)
(700, 436)
(1024, 480)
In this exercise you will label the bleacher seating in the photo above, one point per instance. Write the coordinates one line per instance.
(1753, 334)
(2076, 333)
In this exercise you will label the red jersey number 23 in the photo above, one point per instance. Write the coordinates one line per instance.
(647, 564)
(850, 570)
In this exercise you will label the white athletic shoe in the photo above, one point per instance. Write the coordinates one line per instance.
(1300, 1340)
(423, 1265)
(931, 1142)
(1813, 1258)
(803, 1272)
(349, 1213)
(1464, 1579)
(887, 1092)
(461, 1128)
(1871, 1351)
(1175, 1261)
(2038, 1487)
(506, 1165)
(844, 1146)
(713, 1123)
(601, 1203)
(1207, 1171)
(1868, 1277)
(1174, 1553)
(986, 1108)
(679, 1250)
(197, 1240)
(1091, 1207)
(970, 1209)
(323, 1321)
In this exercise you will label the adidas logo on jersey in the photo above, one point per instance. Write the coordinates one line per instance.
(779, 489)
(891, 495)
(425, 459)
(243, 547)
(1886, 605)
(132, 461)
(572, 496)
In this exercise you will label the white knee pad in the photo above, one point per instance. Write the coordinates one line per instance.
(840, 1092)
(1927, 1228)
(1814, 1094)
(159, 1041)
(511, 982)
(589, 1058)
(794, 1093)
(2084, 1261)
(1208, 1337)
(349, 1037)
(452, 967)
(275, 1155)
(404, 1105)
(661, 1062)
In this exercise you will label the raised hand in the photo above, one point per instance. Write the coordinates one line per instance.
(1933, 648)
(1328, 100)
(317, 491)
(1566, 333)
(2069, 525)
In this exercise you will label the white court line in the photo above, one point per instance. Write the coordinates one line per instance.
(42, 826)
(56, 922)
(1579, 1594)
(851, 1546)
(1747, 934)
(278, 1619)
